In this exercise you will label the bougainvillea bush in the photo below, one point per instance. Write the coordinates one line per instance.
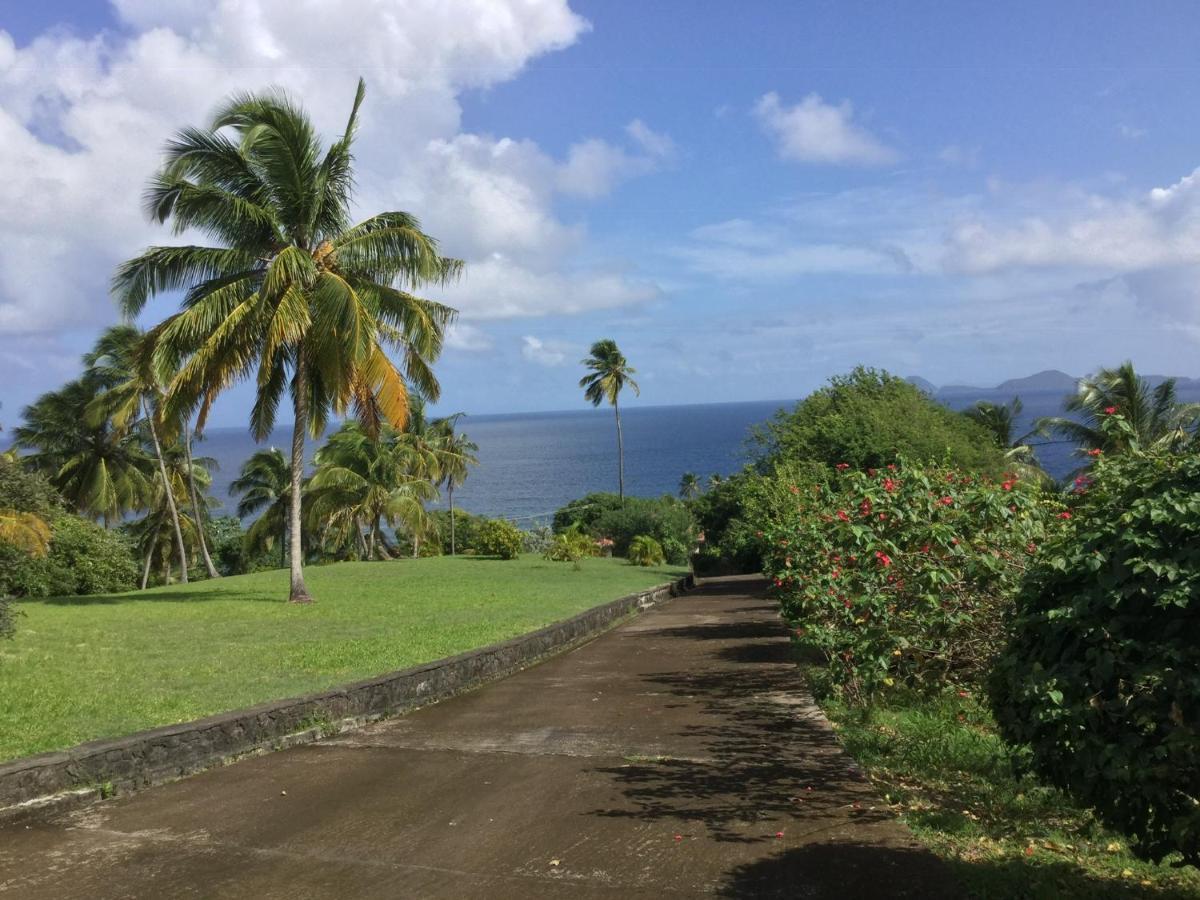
(901, 575)
(1101, 677)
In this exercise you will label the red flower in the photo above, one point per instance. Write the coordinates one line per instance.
(947, 501)
(864, 508)
(1008, 485)
(846, 602)
(842, 515)
(1031, 547)
(841, 467)
(1095, 451)
(891, 467)
(1110, 410)
(1064, 515)
(925, 548)
(884, 559)
(889, 485)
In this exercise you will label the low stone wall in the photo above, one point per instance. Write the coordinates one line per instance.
(98, 768)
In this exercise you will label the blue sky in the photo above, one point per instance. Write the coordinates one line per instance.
(748, 197)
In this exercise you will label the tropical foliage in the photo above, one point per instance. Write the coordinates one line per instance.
(1154, 415)
(288, 291)
(666, 519)
(496, 537)
(901, 574)
(1101, 675)
(645, 551)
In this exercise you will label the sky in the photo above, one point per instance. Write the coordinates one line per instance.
(747, 197)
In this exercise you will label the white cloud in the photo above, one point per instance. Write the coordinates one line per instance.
(1131, 132)
(82, 123)
(467, 337)
(1086, 230)
(501, 288)
(544, 353)
(958, 155)
(814, 131)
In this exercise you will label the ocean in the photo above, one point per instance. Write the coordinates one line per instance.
(530, 464)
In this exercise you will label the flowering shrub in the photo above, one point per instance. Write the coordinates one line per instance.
(903, 574)
(1101, 676)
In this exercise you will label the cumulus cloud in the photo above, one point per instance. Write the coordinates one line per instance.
(467, 337)
(83, 121)
(814, 131)
(500, 288)
(544, 353)
(1121, 234)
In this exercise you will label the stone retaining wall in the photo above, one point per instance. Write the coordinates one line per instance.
(98, 768)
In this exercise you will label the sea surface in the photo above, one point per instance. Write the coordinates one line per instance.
(530, 464)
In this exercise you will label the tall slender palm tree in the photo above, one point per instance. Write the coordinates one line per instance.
(289, 291)
(689, 486)
(610, 374)
(1156, 415)
(265, 485)
(123, 358)
(457, 453)
(101, 471)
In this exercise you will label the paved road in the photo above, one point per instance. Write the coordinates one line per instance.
(677, 755)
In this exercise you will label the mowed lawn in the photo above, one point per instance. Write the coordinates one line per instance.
(88, 667)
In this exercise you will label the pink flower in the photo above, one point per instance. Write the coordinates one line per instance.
(1110, 410)
(1064, 515)
(1008, 485)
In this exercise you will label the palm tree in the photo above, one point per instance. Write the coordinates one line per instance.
(123, 358)
(457, 452)
(289, 291)
(1001, 421)
(101, 471)
(265, 487)
(363, 481)
(1155, 415)
(610, 374)
(715, 480)
(689, 485)
(25, 531)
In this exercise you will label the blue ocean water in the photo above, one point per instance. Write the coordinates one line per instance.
(530, 464)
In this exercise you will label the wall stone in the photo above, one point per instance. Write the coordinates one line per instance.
(97, 768)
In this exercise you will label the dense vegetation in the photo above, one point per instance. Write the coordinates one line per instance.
(1101, 675)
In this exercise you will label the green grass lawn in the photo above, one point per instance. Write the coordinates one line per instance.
(945, 771)
(88, 667)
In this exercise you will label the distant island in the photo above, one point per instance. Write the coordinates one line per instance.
(1047, 381)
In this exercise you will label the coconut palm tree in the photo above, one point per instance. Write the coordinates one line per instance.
(123, 358)
(1155, 415)
(25, 531)
(363, 482)
(288, 291)
(457, 452)
(265, 484)
(689, 486)
(610, 374)
(101, 471)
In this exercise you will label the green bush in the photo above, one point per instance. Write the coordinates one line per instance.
(84, 559)
(497, 537)
(645, 551)
(869, 418)
(466, 529)
(570, 546)
(602, 516)
(537, 540)
(26, 492)
(1101, 677)
(901, 575)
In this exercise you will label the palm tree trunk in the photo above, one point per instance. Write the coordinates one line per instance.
(187, 452)
(283, 542)
(450, 494)
(150, 555)
(370, 545)
(620, 454)
(299, 590)
(170, 495)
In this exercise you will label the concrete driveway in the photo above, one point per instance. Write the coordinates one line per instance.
(677, 755)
